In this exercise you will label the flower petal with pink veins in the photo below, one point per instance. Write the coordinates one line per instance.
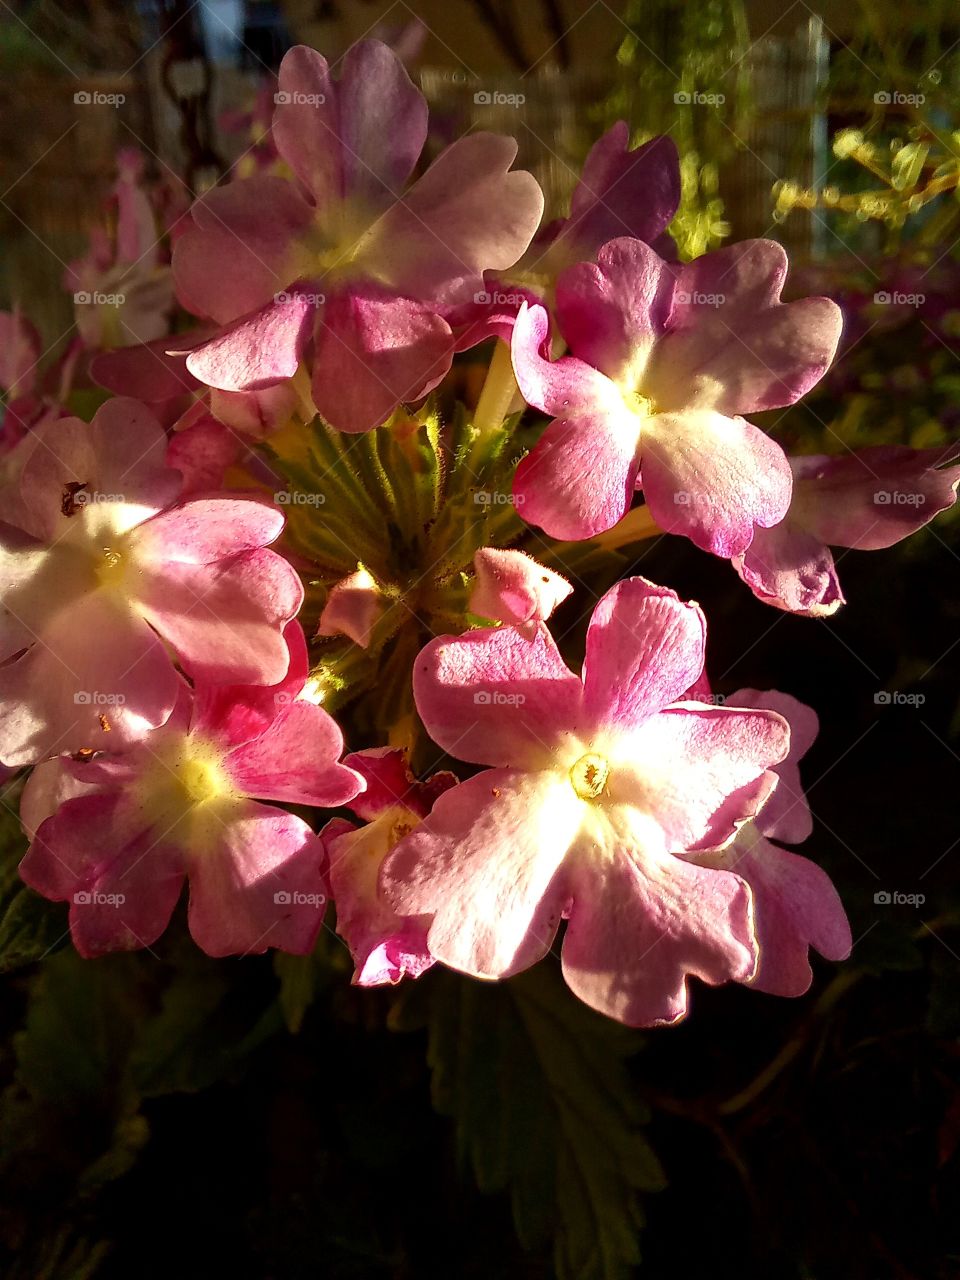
(645, 649)
(122, 883)
(698, 772)
(261, 885)
(203, 454)
(295, 760)
(512, 587)
(259, 350)
(374, 351)
(207, 529)
(225, 619)
(495, 697)
(642, 922)
(581, 476)
(487, 866)
(795, 907)
(390, 784)
(786, 815)
(731, 345)
(98, 678)
(468, 213)
(792, 570)
(713, 479)
(242, 247)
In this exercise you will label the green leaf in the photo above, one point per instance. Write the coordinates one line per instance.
(544, 1107)
(30, 927)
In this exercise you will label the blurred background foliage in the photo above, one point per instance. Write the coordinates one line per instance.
(164, 1113)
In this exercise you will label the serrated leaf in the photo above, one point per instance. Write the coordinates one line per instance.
(544, 1107)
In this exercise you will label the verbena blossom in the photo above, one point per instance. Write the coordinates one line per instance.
(794, 902)
(512, 587)
(115, 836)
(596, 790)
(665, 358)
(103, 570)
(385, 946)
(869, 499)
(341, 265)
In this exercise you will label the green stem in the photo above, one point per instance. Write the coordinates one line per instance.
(500, 395)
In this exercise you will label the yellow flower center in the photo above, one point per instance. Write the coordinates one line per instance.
(589, 775)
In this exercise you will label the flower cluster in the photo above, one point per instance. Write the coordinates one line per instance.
(278, 514)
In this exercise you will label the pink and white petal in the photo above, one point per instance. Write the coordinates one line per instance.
(612, 312)
(795, 907)
(233, 714)
(786, 815)
(244, 245)
(468, 213)
(295, 760)
(580, 478)
(373, 352)
(557, 387)
(203, 454)
(255, 414)
(259, 350)
(645, 648)
(353, 608)
(306, 123)
(713, 479)
(261, 884)
(496, 697)
(732, 346)
(874, 497)
(698, 772)
(45, 790)
(792, 570)
(204, 530)
(487, 865)
(382, 124)
(385, 946)
(225, 620)
(98, 678)
(512, 587)
(642, 923)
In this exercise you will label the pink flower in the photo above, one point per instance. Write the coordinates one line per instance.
(869, 499)
(665, 359)
(354, 607)
(594, 787)
(183, 803)
(795, 905)
(512, 587)
(340, 261)
(620, 193)
(101, 573)
(385, 946)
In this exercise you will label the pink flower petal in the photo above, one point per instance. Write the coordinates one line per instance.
(786, 815)
(259, 350)
(353, 608)
(558, 387)
(713, 479)
(645, 648)
(260, 886)
(374, 351)
(390, 784)
(512, 587)
(207, 529)
(492, 915)
(642, 922)
(495, 697)
(295, 760)
(20, 353)
(792, 570)
(153, 371)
